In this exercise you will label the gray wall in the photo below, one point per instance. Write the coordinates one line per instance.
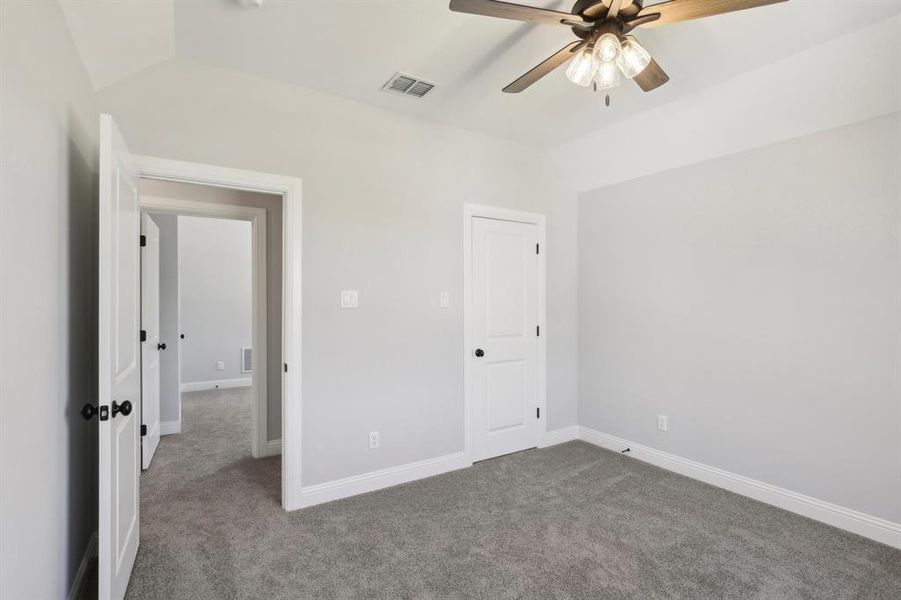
(216, 293)
(170, 396)
(48, 325)
(754, 299)
(273, 207)
(382, 214)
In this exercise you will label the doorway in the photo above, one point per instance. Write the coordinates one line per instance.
(119, 361)
(209, 346)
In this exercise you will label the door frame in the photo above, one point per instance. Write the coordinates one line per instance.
(260, 444)
(471, 211)
(290, 189)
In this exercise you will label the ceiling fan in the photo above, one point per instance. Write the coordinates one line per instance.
(605, 50)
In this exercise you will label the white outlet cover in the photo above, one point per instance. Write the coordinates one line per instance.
(220, 366)
(444, 299)
(662, 422)
(373, 439)
(350, 299)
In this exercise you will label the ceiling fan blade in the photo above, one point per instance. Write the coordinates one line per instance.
(684, 10)
(600, 9)
(551, 63)
(652, 77)
(517, 12)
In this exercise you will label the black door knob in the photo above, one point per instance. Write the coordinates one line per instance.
(161, 346)
(88, 411)
(124, 408)
(480, 353)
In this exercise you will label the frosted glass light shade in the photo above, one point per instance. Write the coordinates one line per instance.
(608, 75)
(632, 58)
(583, 67)
(607, 48)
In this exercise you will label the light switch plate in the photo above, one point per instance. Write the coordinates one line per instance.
(444, 299)
(220, 365)
(349, 299)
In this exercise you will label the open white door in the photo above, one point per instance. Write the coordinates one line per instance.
(120, 369)
(505, 334)
(151, 344)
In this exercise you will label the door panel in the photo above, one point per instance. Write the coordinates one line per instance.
(150, 349)
(505, 316)
(119, 369)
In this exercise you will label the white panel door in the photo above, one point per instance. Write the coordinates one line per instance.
(505, 321)
(119, 364)
(151, 347)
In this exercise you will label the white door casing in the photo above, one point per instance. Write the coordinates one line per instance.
(505, 328)
(119, 364)
(150, 347)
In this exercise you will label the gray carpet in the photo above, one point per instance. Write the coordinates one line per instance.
(572, 521)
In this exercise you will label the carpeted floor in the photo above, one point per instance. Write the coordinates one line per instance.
(572, 521)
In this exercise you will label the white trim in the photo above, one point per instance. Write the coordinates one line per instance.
(504, 214)
(290, 189)
(170, 427)
(271, 448)
(559, 436)
(376, 480)
(78, 582)
(854, 521)
(198, 386)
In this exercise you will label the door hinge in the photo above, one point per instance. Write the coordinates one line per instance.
(536, 249)
(143, 430)
(143, 240)
(537, 412)
(143, 336)
(538, 330)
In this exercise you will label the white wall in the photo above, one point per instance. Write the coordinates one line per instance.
(754, 299)
(170, 396)
(383, 197)
(821, 88)
(216, 294)
(48, 303)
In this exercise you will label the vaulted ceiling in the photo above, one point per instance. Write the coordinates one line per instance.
(351, 48)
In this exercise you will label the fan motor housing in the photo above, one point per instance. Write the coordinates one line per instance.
(604, 25)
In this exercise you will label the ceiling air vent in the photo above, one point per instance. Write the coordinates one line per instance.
(407, 85)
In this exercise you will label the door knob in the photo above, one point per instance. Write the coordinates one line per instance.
(124, 408)
(161, 346)
(480, 353)
(88, 411)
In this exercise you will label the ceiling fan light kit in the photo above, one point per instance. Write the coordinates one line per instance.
(605, 51)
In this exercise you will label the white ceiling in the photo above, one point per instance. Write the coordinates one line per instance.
(350, 48)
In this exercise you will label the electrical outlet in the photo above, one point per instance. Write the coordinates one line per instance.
(220, 365)
(662, 422)
(444, 299)
(373, 439)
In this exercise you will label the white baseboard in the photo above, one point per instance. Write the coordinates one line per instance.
(271, 448)
(197, 386)
(860, 523)
(170, 427)
(78, 581)
(376, 480)
(559, 436)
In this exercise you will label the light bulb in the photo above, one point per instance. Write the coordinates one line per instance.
(583, 67)
(632, 58)
(607, 47)
(608, 75)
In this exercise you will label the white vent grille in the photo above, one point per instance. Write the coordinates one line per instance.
(408, 85)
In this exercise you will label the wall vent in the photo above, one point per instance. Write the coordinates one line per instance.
(246, 360)
(408, 85)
